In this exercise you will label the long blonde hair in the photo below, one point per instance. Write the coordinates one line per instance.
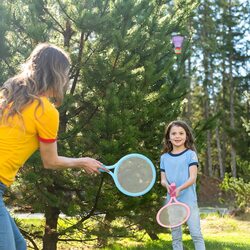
(44, 72)
(189, 143)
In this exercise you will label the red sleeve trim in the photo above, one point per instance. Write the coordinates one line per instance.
(46, 140)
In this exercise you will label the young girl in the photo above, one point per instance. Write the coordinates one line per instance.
(179, 165)
(28, 121)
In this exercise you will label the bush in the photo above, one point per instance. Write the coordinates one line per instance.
(240, 190)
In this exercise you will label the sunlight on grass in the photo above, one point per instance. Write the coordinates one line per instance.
(220, 233)
(213, 224)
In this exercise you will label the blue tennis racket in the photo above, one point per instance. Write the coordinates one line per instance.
(134, 174)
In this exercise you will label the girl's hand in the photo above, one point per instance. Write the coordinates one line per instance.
(177, 192)
(164, 184)
(168, 188)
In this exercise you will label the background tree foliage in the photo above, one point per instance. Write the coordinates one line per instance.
(125, 85)
(220, 66)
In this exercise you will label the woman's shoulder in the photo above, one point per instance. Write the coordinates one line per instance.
(41, 106)
(45, 100)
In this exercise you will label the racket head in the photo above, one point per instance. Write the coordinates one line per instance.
(134, 174)
(173, 214)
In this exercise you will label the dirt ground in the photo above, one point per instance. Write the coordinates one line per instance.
(209, 193)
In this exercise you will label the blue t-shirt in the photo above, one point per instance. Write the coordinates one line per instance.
(176, 167)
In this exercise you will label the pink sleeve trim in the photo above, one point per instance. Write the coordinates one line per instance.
(46, 140)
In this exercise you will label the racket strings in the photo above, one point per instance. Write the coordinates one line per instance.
(173, 215)
(135, 174)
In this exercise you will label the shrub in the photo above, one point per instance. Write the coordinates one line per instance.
(240, 190)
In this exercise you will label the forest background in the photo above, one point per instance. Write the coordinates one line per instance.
(126, 83)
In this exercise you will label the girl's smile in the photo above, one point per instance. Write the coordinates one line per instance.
(178, 137)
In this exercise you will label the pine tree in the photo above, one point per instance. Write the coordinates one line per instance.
(222, 49)
(124, 87)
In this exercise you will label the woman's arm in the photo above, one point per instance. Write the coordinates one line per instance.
(51, 160)
(191, 180)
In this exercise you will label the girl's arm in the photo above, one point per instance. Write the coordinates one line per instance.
(164, 182)
(191, 180)
(51, 160)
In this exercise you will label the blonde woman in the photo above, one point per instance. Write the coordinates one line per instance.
(28, 121)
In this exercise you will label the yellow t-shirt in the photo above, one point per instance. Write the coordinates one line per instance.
(19, 138)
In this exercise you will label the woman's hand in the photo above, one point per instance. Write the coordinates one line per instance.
(92, 166)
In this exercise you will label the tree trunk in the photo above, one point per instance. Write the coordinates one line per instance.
(206, 84)
(152, 235)
(208, 170)
(189, 97)
(220, 160)
(224, 139)
(105, 226)
(50, 237)
(232, 125)
(217, 134)
(232, 111)
(208, 152)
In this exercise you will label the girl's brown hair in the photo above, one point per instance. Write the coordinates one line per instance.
(189, 143)
(44, 72)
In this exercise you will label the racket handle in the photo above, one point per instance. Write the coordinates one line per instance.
(172, 189)
(104, 171)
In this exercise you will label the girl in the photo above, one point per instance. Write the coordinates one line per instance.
(179, 165)
(28, 121)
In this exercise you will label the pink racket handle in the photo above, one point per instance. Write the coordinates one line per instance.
(172, 189)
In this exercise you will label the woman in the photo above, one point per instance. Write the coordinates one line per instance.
(28, 121)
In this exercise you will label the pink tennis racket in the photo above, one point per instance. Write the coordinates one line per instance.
(174, 213)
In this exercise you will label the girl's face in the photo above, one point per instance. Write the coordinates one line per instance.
(177, 136)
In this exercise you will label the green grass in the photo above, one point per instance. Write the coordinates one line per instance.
(212, 243)
(220, 233)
